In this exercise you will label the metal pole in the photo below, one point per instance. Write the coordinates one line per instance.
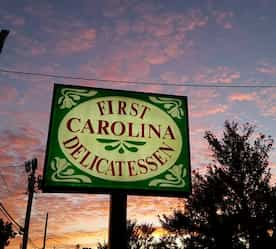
(31, 184)
(45, 232)
(117, 237)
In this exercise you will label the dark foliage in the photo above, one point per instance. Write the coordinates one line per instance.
(6, 233)
(233, 204)
(102, 246)
(139, 236)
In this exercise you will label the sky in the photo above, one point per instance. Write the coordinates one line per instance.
(161, 44)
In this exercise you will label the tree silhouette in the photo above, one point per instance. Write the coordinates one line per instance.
(141, 237)
(102, 246)
(233, 204)
(6, 233)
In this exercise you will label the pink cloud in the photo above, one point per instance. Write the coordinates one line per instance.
(19, 145)
(76, 41)
(27, 45)
(203, 103)
(242, 97)
(160, 25)
(221, 74)
(8, 94)
(169, 34)
(159, 37)
(6, 159)
(38, 50)
(122, 28)
(13, 20)
(210, 111)
(265, 101)
(200, 153)
(224, 18)
(71, 41)
(174, 77)
(267, 68)
(125, 62)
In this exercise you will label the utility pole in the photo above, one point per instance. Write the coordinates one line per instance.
(45, 232)
(30, 167)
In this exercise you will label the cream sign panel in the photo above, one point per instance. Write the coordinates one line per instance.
(102, 140)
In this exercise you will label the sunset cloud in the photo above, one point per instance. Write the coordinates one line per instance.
(197, 42)
(267, 68)
(242, 97)
(20, 145)
(8, 94)
(76, 41)
(265, 101)
(220, 74)
(224, 18)
(156, 37)
(210, 111)
(66, 41)
(13, 20)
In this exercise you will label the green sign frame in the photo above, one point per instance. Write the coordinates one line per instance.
(107, 141)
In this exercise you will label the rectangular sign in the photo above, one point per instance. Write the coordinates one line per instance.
(102, 141)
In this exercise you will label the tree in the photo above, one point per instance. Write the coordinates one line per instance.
(233, 204)
(102, 246)
(166, 242)
(6, 233)
(139, 236)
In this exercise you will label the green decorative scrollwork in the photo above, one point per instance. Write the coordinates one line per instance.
(121, 145)
(172, 106)
(173, 179)
(70, 96)
(63, 172)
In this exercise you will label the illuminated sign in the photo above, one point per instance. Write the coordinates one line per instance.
(108, 140)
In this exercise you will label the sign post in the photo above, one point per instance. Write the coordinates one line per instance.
(117, 142)
(117, 234)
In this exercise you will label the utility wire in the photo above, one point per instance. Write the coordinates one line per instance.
(12, 166)
(5, 211)
(196, 85)
(5, 214)
(17, 228)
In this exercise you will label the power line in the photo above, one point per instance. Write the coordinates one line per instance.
(4, 210)
(12, 166)
(6, 213)
(196, 85)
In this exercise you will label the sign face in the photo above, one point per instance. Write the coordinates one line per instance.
(108, 140)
